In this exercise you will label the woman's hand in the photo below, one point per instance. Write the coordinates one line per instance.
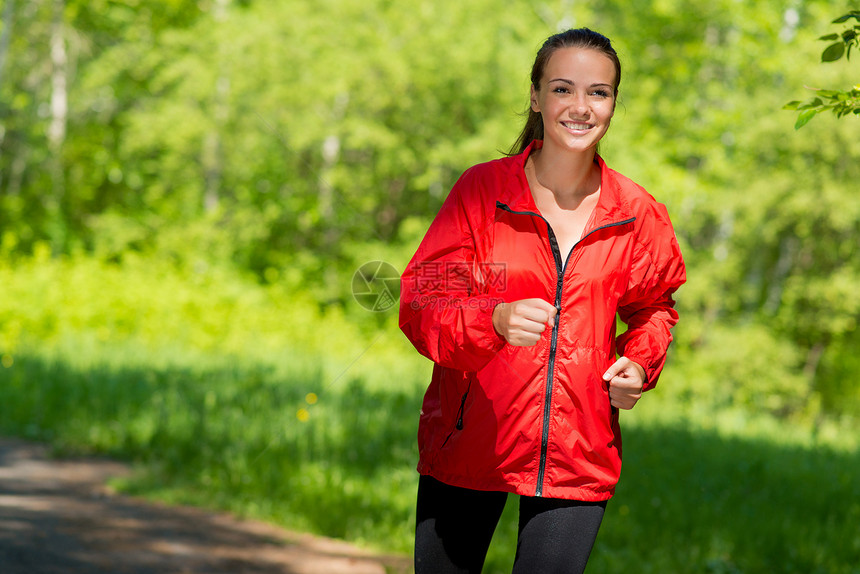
(626, 380)
(522, 322)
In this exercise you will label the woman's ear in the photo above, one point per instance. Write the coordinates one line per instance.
(534, 99)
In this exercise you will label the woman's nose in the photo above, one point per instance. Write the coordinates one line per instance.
(580, 104)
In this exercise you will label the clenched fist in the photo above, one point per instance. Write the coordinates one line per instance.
(626, 380)
(522, 322)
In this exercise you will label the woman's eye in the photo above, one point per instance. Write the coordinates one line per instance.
(601, 93)
(560, 90)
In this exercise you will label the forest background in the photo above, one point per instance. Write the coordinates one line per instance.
(188, 188)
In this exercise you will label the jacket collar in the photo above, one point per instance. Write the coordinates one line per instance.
(612, 205)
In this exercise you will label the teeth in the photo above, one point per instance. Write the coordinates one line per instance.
(577, 126)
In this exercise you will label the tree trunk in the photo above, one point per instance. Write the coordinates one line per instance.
(5, 36)
(59, 119)
(330, 152)
(213, 157)
(328, 200)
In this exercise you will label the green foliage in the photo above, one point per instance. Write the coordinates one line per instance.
(161, 308)
(745, 365)
(848, 39)
(841, 103)
(285, 141)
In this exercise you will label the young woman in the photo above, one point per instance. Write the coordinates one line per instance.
(513, 294)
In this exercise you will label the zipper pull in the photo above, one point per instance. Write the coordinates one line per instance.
(459, 424)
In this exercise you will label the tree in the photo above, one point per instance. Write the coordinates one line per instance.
(840, 102)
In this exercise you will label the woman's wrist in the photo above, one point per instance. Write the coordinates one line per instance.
(497, 311)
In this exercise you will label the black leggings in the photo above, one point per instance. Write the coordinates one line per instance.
(454, 527)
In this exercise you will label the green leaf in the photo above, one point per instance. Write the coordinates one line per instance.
(830, 37)
(792, 105)
(852, 14)
(833, 52)
(804, 117)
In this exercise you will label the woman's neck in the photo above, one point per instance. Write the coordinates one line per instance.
(571, 177)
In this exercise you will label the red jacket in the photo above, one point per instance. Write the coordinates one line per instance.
(535, 420)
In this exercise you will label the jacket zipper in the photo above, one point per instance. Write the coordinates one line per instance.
(561, 268)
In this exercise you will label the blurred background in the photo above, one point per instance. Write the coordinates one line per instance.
(188, 187)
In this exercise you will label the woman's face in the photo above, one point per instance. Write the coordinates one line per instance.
(576, 98)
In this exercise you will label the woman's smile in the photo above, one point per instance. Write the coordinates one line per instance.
(577, 126)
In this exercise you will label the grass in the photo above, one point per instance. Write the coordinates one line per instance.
(316, 431)
(698, 501)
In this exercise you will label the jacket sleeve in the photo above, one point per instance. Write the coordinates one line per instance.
(648, 307)
(444, 308)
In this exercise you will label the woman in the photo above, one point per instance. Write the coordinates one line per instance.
(513, 293)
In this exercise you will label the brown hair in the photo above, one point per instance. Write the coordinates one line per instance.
(575, 38)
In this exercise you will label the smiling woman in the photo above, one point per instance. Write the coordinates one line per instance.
(528, 374)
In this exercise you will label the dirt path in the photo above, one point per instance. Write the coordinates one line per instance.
(56, 516)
